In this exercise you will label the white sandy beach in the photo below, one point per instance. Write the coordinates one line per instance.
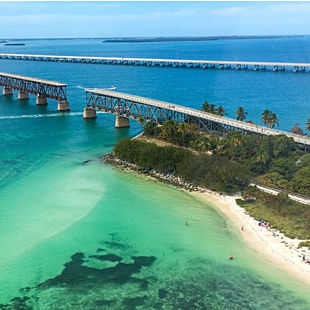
(278, 248)
(273, 244)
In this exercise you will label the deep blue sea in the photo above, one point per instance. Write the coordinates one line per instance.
(77, 235)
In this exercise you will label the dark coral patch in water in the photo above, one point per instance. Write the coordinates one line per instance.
(162, 293)
(104, 302)
(75, 273)
(116, 245)
(17, 303)
(107, 257)
(144, 260)
(100, 250)
(133, 303)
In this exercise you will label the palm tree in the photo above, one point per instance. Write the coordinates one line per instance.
(182, 130)
(205, 106)
(169, 130)
(240, 114)
(266, 117)
(308, 125)
(220, 111)
(273, 120)
(212, 108)
(141, 121)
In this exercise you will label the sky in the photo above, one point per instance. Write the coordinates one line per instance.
(133, 19)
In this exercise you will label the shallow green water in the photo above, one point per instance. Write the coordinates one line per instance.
(76, 235)
(93, 209)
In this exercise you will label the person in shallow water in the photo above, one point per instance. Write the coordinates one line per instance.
(231, 257)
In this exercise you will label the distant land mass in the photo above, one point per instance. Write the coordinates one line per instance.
(211, 38)
(14, 44)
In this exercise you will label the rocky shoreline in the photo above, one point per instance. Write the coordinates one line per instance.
(280, 248)
(110, 158)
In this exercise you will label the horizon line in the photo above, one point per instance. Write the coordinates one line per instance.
(159, 37)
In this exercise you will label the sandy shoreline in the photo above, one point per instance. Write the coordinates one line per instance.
(274, 245)
(279, 249)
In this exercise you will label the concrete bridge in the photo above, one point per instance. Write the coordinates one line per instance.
(174, 63)
(43, 89)
(126, 107)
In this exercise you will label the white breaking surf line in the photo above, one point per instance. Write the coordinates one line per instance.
(40, 115)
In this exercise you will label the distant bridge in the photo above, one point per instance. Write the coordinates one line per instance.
(126, 107)
(174, 63)
(43, 89)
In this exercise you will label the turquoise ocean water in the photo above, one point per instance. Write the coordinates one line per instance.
(77, 235)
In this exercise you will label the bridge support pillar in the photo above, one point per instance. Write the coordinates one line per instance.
(7, 91)
(89, 112)
(22, 95)
(41, 100)
(121, 122)
(63, 105)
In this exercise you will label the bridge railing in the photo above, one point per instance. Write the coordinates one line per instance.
(190, 63)
(49, 89)
(201, 114)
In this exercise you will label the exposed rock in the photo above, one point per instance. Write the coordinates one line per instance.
(110, 158)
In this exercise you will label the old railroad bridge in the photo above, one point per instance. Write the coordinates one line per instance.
(43, 89)
(126, 107)
(176, 63)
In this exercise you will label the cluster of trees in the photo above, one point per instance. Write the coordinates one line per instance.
(212, 171)
(182, 134)
(271, 160)
(210, 108)
(268, 117)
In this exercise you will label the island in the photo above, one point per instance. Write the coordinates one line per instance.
(180, 39)
(14, 44)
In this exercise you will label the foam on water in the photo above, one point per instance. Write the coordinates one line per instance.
(41, 115)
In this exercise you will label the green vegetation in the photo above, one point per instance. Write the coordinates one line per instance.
(210, 108)
(240, 114)
(182, 134)
(270, 119)
(289, 217)
(304, 243)
(212, 171)
(272, 160)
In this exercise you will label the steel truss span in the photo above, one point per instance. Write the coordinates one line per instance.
(133, 107)
(49, 89)
(176, 63)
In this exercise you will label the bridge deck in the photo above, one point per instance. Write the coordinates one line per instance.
(200, 114)
(30, 79)
(156, 60)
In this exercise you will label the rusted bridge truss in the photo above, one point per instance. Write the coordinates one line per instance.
(133, 110)
(49, 89)
(133, 107)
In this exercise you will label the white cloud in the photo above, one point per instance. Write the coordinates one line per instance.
(234, 20)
